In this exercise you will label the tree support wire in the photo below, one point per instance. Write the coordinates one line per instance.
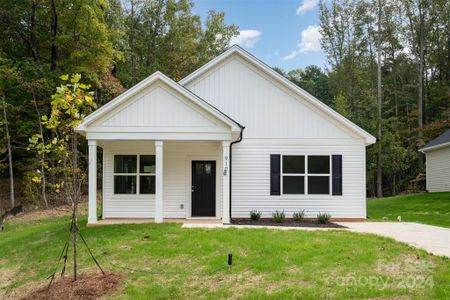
(73, 233)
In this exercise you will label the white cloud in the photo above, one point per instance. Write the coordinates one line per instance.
(306, 6)
(246, 38)
(309, 42)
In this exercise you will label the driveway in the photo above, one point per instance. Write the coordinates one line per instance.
(433, 239)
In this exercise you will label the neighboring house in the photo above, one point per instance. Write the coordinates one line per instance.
(438, 163)
(231, 137)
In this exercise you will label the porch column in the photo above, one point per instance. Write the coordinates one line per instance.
(159, 182)
(92, 211)
(226, 182)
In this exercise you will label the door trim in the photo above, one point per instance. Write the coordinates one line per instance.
(200, 197)
(188, 194)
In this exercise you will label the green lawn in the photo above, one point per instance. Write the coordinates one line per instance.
(427, 208)
(191, 263)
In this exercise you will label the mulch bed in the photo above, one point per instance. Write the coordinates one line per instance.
(87, 286)
(286, 222)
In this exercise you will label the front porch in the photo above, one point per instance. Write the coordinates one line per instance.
(160, 181)
(165, 154)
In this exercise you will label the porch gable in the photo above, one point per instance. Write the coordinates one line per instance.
(158, 108)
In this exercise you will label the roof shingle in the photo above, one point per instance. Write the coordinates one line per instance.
(442, 139)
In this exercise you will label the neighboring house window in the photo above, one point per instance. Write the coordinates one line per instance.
(303, 174)
(134, 174)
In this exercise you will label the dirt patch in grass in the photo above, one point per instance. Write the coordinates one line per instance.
(88, 286)
(286, 222)
(7, 276)
(405, 265)
(60, 211)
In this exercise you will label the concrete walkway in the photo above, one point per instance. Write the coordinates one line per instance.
(433, 239)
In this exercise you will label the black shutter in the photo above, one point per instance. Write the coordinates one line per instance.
(337, 174)
(275, 174)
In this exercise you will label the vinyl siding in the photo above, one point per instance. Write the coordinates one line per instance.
(251, 179)
(438, 170)
(176, 173)
(277, 121)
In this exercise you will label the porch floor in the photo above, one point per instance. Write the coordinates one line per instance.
(194, 221)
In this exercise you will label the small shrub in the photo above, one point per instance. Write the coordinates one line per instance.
(298, 216)
(323, 218)
(255, 215)
(278, 216)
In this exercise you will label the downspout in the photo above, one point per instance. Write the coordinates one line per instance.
(231, 152)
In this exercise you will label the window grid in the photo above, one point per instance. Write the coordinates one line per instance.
(306, 174)
(138, 174)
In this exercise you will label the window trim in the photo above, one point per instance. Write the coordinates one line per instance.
(138, 173)
(306, 174)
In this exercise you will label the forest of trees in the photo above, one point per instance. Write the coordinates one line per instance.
(388, 71)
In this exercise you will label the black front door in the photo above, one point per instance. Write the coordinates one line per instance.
(203, 188)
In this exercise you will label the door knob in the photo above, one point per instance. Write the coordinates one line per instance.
(192, 189)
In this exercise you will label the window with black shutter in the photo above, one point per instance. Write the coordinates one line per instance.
(306, 174)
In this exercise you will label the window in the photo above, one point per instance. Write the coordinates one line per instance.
(147, 174)
(133, 173)
(293, 174)
(318, 174)
(306, 174)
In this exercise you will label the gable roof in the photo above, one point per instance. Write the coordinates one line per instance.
(237, 50)
(440, 142)
(119, 100)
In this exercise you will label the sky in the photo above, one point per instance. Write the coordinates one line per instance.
(282, 33)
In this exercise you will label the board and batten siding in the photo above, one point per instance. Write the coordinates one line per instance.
(251, 179)
(266, 108)
(158, 109)
(177, 158)
(438, 170)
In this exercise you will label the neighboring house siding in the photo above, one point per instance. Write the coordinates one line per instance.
(438, 170)
(251, 179)
(264, 107)
(177, 157)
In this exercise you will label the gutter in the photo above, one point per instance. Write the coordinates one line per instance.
(231, 152)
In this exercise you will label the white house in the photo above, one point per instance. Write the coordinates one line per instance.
(231, 137)
(437, 154)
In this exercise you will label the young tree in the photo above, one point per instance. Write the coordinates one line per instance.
(70, 104)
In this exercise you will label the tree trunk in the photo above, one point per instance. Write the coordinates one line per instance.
(10, 159)
(380, 118)
(75, 201)
(132, 48)
(54, 32)
(34, 49)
